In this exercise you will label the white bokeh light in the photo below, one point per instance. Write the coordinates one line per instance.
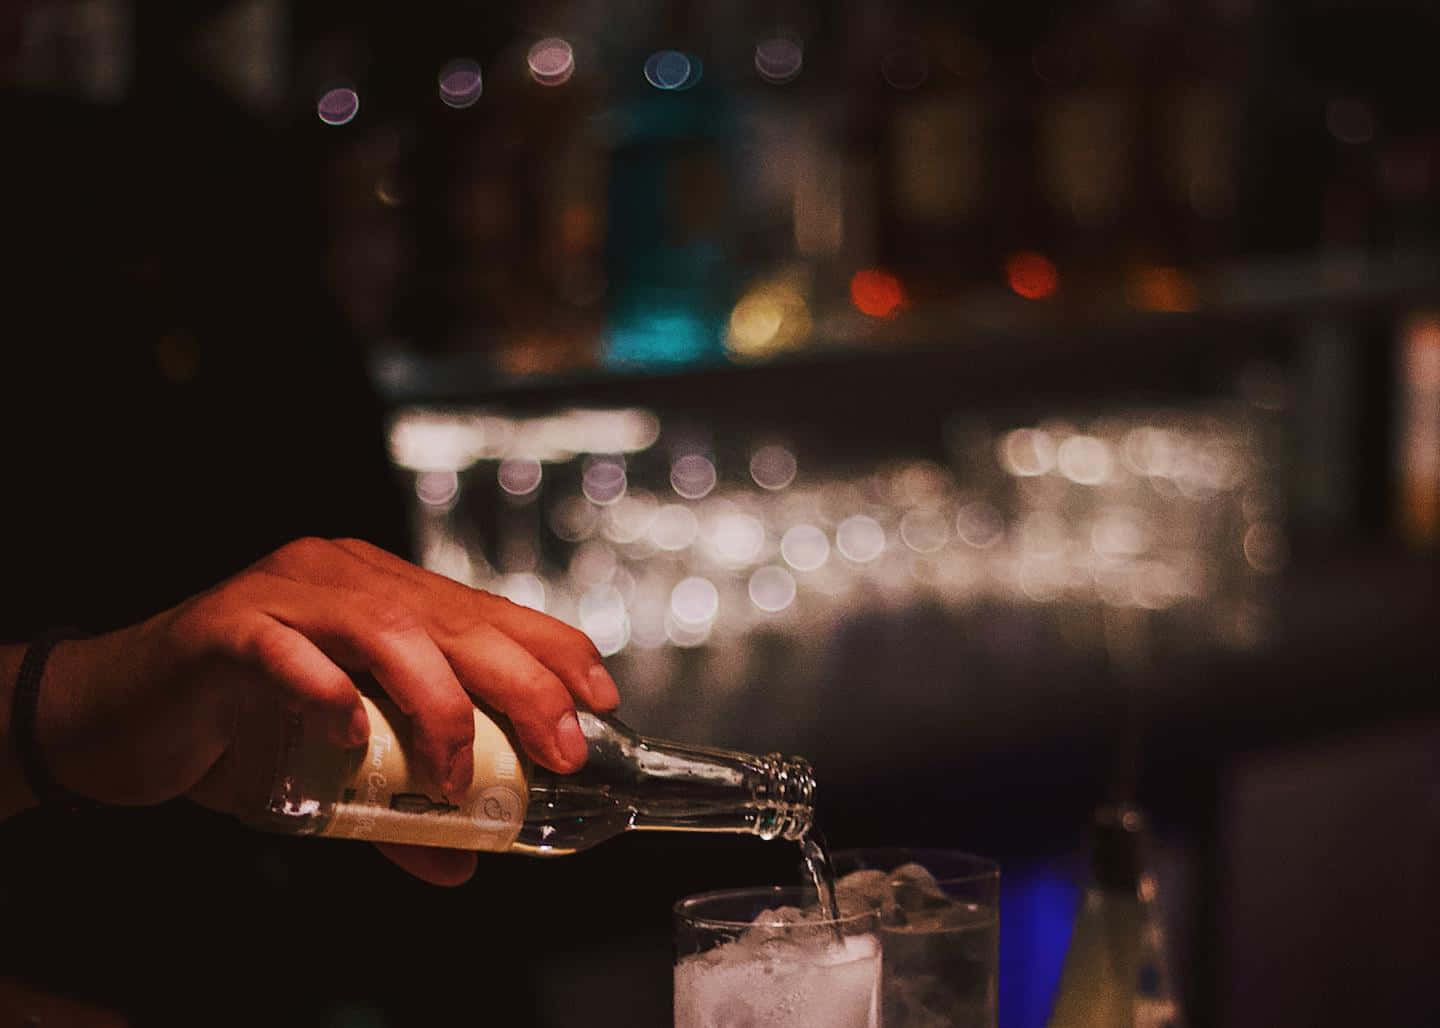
(593, 563)
(437, 488)
(603, 481)
(674, 528)
(630, 517)
(603, 617)
(734, 537)
(519, 476)
(695, 601)
(1118, 533)
(924, 530)
(1084, 460)
(804, 547)
(524, 588)
(860, 538)
(692, 476)
(772, 589)
(773, 467)
(1027, 452)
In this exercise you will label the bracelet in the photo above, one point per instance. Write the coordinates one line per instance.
(25, 703)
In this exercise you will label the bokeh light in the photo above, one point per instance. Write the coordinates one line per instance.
(460, 83)
(574, 519)
(524, 588)
(924, 531)
(437, 488)
(906, 65)
(692, 476)
(1084, 460)
(876, 293)
(770, 318)
(979, 524)
(772, 589)
(551, 61)
(603, 481)
(1118, 533)
(734, 538)
(593, 563)
(1032, 275)
(804, 547)
(338, 106)
(603, 617)
(630, 517)
(1265, 547)
(779, 60)
(860, 538)
(694, 601)
(519, 476)
(772, 467)
(671, 70)
(674, 528)
(1027, 452)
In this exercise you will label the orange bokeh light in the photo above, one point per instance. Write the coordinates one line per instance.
(1159, 288)
(1032, 275)
(876, 293)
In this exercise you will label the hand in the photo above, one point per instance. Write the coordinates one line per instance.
(148, 713)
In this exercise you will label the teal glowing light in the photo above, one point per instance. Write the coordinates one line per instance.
(661, 338)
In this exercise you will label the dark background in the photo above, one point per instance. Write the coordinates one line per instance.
(188, 381)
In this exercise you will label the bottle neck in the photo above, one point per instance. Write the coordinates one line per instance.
(669, 786)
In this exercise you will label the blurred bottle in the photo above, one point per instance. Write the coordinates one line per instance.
(1116, 972)
(313, 787)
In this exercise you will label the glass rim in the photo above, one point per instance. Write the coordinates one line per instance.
(681, 908)
(984, 868)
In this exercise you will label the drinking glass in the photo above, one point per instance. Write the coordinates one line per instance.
(766, 956)
(939, 932)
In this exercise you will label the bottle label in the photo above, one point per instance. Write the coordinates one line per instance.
(387, 799)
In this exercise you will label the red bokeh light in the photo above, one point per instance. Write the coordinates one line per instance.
(1032, 275)
(876, 293)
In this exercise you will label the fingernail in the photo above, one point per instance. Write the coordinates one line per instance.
(570, 739)
(603, 692)
(358, 732)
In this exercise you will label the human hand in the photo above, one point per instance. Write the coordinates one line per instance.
(149, 712)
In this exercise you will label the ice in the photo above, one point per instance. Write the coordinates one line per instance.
(785, 926)
(743, 985)
(863, 890)
(936, 949)
(901, 895)
(916, 892)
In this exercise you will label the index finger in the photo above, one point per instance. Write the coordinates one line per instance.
(567, 652)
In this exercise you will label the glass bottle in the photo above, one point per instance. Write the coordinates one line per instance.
(513, 805)
(1116, 972)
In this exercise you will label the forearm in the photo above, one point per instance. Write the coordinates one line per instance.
(15, 795)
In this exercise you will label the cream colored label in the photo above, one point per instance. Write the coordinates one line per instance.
(389, 800)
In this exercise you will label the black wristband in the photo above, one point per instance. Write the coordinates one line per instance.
(24, 705)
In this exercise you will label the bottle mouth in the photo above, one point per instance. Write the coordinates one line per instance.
(786, 798)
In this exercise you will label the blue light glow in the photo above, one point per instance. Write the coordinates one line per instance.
(671, 70)
(661, 338)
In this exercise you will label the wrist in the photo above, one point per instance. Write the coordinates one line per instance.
(15, 794)
(32, 681)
